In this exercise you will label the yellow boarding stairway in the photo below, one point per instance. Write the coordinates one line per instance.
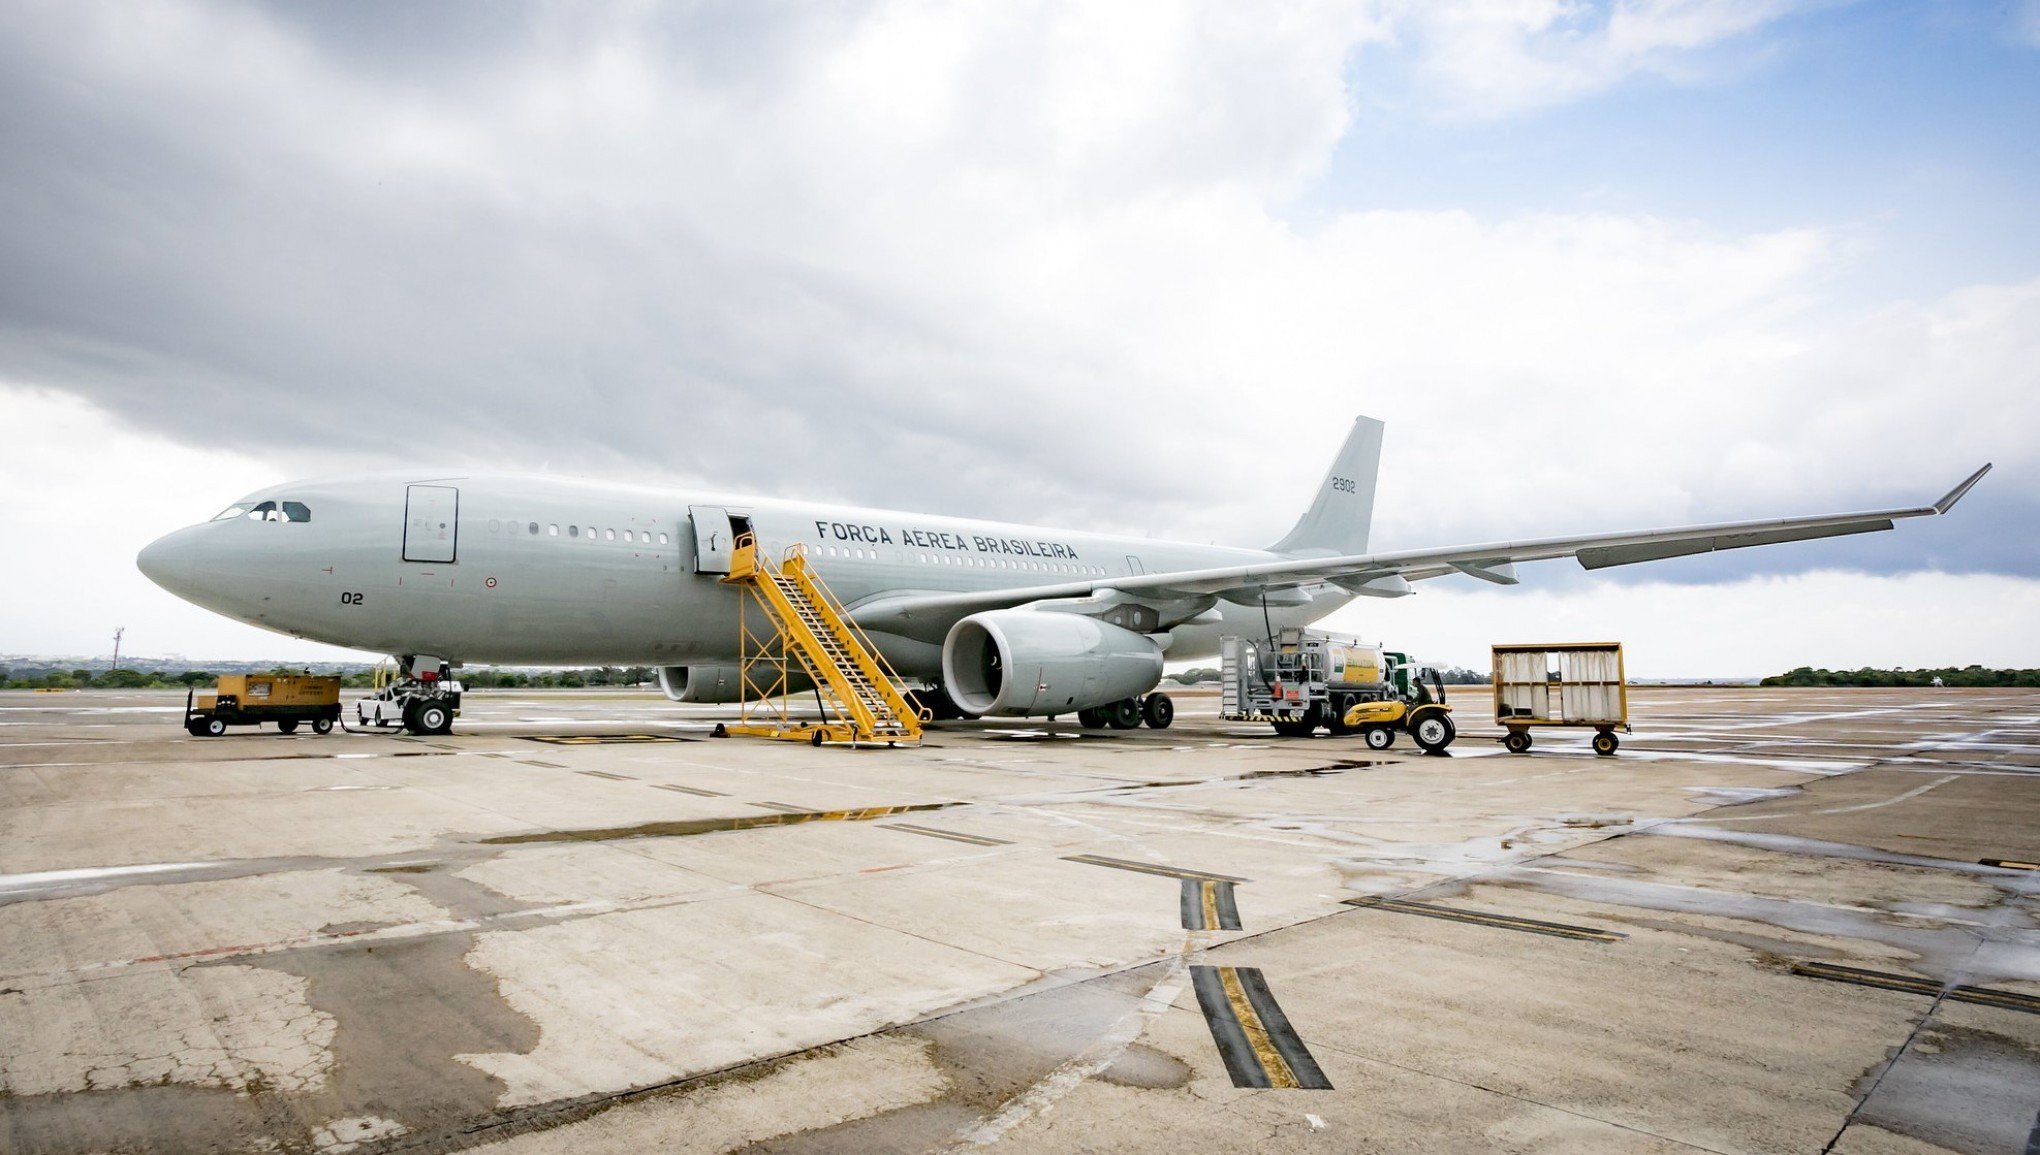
(808, 625)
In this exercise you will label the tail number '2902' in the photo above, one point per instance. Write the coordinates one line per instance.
(1344, 485)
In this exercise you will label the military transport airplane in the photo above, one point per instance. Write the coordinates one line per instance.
(1007, 619)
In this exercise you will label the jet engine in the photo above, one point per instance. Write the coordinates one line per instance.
(715, 685)
(1022, 662)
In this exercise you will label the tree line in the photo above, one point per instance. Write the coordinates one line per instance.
(1947, 676)
(360, 678)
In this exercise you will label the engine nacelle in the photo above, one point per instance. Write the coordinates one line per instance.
(717, 685)
(1023, 662)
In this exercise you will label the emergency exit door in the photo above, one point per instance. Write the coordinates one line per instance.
(431, 522)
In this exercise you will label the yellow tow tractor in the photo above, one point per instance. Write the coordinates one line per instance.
(252, 699)
(1421, 710)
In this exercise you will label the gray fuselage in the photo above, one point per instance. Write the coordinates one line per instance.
(547, 571)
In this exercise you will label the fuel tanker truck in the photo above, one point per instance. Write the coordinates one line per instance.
(1301, 681)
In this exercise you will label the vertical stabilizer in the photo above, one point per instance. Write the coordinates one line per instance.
(1341, 514)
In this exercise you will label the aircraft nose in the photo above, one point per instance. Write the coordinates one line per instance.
(167, 562)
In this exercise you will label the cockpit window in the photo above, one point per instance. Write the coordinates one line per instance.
(296, 511)
(266, 511)
(230, 513)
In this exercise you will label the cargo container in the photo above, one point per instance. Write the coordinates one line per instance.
(1560, 684)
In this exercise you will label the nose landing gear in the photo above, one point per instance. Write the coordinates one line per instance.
(421, 696)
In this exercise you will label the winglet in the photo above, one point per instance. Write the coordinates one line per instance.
(1954, 495)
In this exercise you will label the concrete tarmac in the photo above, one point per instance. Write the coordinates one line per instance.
(1776, 921)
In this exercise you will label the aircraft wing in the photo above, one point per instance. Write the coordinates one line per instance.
(929, 615)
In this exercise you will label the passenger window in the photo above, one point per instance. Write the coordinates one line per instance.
(662, 539)
(296, 511)
(495, 525)
(627, 536)
(534, 529)
(573, 531)
(609, 534)
(552, 530)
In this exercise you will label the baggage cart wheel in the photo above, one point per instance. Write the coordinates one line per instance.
(194, 727)
(1517, 742)
(287, 726)
(1380, 737)
(1605, 743)
(1123, 714)
(322, 725)
(1158, 711)
(213, 727)
(1299, 728)
(1433, 732)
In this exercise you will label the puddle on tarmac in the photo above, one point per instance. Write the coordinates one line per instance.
(713, 825)
(2024, 882)
(1965, 1090)
(1739, 795)
(1046, 736)
(1949, 954)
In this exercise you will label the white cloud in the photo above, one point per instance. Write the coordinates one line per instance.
(1759, 626)
(105, 491)
(1483, 59)
(1025, 262)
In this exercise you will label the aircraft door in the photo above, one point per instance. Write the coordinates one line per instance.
(1133, 566)
(711, 538)
(431, 523)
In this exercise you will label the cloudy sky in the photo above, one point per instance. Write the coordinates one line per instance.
(1124, 266)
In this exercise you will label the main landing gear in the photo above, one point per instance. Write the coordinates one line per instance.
(1128, 713)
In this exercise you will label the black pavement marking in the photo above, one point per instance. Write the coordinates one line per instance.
(1253, 1036)
(606, 774)
(1209, 905)
(689, 826)
(674, 786)
(1483, 918)
(2009, 863)
(602, 739)
(1981, 996)
(1150, 868)
(780, 806)
(536, 762)
(952, 835)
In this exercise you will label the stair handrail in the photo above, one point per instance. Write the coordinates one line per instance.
(882, 675)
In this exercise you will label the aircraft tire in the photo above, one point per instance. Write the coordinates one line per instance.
(1158, 711)
(1090, 718)
(1335, 720)
(1380, 737)
(1123, 714)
